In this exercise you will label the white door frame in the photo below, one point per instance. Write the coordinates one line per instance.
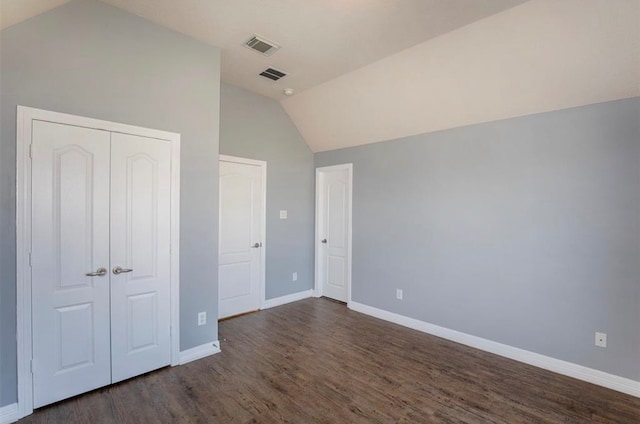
(25, 116)
(263, 220)
(319, 207)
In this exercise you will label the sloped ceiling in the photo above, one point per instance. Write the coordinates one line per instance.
(372, 70)
(16, 11)
(320, 39)
(536, 57)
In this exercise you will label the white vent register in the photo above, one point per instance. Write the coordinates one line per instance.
(261, 45)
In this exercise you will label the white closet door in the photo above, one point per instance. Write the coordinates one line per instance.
(140, 237)
(70, 239)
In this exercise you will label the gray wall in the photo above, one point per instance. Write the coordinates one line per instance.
(256, 127)
(90, 59)
(524, 231)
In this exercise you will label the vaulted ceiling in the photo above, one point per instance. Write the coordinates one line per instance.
(320, 39)
(371, 70)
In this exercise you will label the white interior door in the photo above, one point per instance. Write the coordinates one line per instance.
(70, 239)
(140, 247)
(333, 229)
(240, 239)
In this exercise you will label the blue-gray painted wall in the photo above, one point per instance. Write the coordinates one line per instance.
(256, 127)
(524, 231)
(90, 59)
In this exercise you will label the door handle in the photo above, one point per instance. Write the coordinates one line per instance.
(255, 246)
(324, 241)
(99, 272)
(119, 270)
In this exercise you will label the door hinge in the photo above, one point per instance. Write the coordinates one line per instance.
(31, 150)
(31, 366)
(29, 258)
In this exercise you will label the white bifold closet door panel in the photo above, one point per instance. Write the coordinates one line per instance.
(140, 237)
(70, 239)
(100, 258)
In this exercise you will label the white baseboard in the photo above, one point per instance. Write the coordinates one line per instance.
(277, 301)
(199, 352)
(9, 414)
(570, 369)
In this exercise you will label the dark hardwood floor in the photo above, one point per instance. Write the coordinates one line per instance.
(315, 361)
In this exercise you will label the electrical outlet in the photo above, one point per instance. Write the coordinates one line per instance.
(283, 214)
(294, 276)
(202, 318)
(399, 294)
(601, 339)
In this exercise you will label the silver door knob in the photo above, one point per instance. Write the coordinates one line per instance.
(255, 246)
(324, 241)
(119, 270)
(99, 272)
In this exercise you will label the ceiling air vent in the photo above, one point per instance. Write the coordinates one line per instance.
(261, 45)
(273, 74)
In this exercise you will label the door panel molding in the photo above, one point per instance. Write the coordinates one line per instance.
(24, 125)
(70, 225)
(319, 238)
(263, 213)
(139, 239)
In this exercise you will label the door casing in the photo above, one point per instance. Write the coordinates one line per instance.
(263, 213)
(318, 287)
(25, 116)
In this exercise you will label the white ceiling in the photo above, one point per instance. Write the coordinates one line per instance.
(538, 57)
(15, 11)
(320, 39)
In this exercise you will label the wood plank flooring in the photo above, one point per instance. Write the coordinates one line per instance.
(315, 361)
